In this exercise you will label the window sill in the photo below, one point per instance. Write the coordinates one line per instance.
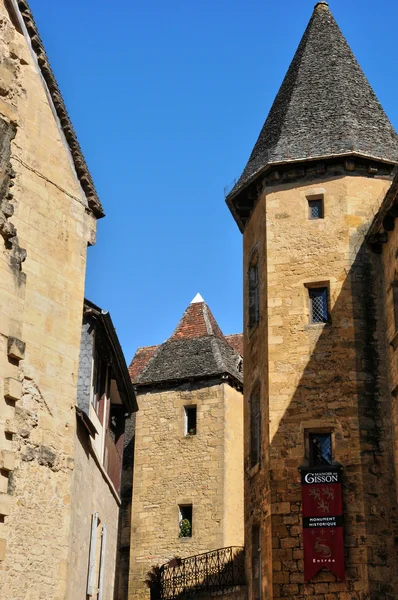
(185, 539)
(310, 326)
(394, 341)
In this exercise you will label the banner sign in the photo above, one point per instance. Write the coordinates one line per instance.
(322, 521)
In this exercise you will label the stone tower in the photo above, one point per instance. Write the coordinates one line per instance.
(316, 385)
(188, 465)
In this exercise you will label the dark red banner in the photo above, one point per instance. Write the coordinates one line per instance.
(322, 521)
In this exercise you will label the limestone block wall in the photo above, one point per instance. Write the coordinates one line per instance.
(387, 266)
(171, 469)
(319, 376)
(44, 219)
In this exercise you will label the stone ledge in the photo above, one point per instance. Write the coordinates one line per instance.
(12, 389)
(15, 348)
(7, 460)
(3, 547)
(5, 504)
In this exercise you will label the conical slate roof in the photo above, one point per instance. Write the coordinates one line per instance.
(197, 349)
(324, 107)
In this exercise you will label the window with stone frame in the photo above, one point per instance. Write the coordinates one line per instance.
(318, 304)
(255, 428)
(254, 300)
(190, 415)
(315, 208)
(256, 563)
(320, 450)
(185, 520)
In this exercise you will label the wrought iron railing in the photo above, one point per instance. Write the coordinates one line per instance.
(209, 572)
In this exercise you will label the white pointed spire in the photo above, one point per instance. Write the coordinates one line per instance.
(198, 298)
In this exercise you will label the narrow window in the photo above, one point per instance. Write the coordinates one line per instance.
(254, 312)
(318, 297)
(185, 520)
(190, 420)
(256, 563)
(320, 449)
(395, 299)
(255, 429)
(315, 209)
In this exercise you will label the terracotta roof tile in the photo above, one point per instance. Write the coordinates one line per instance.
(236, 341)
(140, 360)
(197, 348)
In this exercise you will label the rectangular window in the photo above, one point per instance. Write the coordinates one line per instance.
(315, 209)
(255, 429)
(190, 420)
(254, 311)
(395, 300)
(318, 297)
(256, 563)
(320, 449)
(185, 520)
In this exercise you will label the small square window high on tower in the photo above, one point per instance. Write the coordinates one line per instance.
(190, 420)
(315, 208)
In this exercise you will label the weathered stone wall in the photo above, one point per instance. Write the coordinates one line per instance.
(387, 266)
(320, 376)
(91, 493)
(233, 530)
(171, 469)
(41, 300)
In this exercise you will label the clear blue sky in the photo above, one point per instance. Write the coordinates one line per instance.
(167, 99)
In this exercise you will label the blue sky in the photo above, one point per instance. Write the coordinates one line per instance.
(167, 99)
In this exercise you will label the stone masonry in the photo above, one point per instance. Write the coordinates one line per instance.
(329, 376)
(171, 469)
(196, 367)
(46, 222)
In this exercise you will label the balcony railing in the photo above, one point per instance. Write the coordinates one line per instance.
(112, 460)
(210, 572)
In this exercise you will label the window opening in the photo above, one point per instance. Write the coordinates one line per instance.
(320, 449)
(190, 420)
(185, 520)
(318, 305)
(395, 300)
(315, 208)
(255, 429)
(256, 563)
(254, 311)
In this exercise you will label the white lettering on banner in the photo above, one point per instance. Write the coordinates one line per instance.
(321, 478)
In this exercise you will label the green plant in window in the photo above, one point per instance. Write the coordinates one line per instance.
(185, 528)
(192, 431)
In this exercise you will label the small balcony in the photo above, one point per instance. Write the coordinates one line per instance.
(211, 572)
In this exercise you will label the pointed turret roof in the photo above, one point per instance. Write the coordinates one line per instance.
(325, 106)
(197, 349)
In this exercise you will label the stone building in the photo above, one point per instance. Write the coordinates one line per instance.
(187, 495)
(320, 379)
(48, 213)
(105, 397)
